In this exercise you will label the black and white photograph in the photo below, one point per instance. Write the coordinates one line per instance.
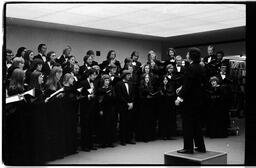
(124, 83)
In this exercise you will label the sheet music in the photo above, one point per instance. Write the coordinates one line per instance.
(55, 93)
(90, 90)
(79, 89)
(15, 98)
(30, 92)
(20, 97)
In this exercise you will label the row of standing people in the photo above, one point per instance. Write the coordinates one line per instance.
(106, 96)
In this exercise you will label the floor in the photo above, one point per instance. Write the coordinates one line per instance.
(153, 152)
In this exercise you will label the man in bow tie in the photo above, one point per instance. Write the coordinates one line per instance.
(87, 113)
(42, 48)
(125, 93)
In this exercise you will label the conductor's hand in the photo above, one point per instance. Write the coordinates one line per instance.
(177, 102)
(130, 106)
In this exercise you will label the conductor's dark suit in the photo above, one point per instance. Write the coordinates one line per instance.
(125, 115)
(192, 95)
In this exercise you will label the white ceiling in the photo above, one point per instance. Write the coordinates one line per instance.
(160, 20)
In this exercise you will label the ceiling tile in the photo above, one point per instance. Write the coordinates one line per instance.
(64, 18)
(161, 20)
(23, 11)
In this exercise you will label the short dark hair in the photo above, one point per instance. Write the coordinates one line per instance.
(9, 51)
(90, 52)
(91, 71)
(195, 54)
(127, 60)
(220, 52)
(57, 64)
(40, 46)
(134, 53)
(71, 56)
(211, 46)
(170, 64)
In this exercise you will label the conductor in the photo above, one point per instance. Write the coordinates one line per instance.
(190, 94)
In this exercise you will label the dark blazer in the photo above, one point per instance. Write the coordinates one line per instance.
(61, 60)
(211, 67)
(10, 71)
(192, 91)
(137, 64)
(46, 69)
(122, 95)
(105, 64)
(115, 80)
(84, 68)
(213, 59)
(38, 56)
(27, 65)
(67, 68)
(171, 86)
(145, 91)
(85, 84)
(180, 75)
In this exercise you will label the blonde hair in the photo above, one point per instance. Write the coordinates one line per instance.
(52, 80)
(17, 79)
(66, 78)
(17, 61)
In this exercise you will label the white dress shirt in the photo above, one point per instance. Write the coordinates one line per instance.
(127, 87)
(209, 59)
(178, 68)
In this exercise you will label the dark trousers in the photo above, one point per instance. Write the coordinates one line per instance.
(106, 127)
(70, 111)
(56, 130)
(125, 124)
(87, 124)
(145, 126)
(167, 117)
(192, 132)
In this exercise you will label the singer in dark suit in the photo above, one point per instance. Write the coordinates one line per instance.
(111, 59)
(42, 48)
(87, 110)
(50, 62)
(125, 94)
(191, 95)
(88, 64)
(211, 63)
(62, 60)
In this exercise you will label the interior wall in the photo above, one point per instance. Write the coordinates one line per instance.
(56, 40)
(231, 48)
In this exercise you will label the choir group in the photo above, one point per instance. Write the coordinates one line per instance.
(98, 104)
